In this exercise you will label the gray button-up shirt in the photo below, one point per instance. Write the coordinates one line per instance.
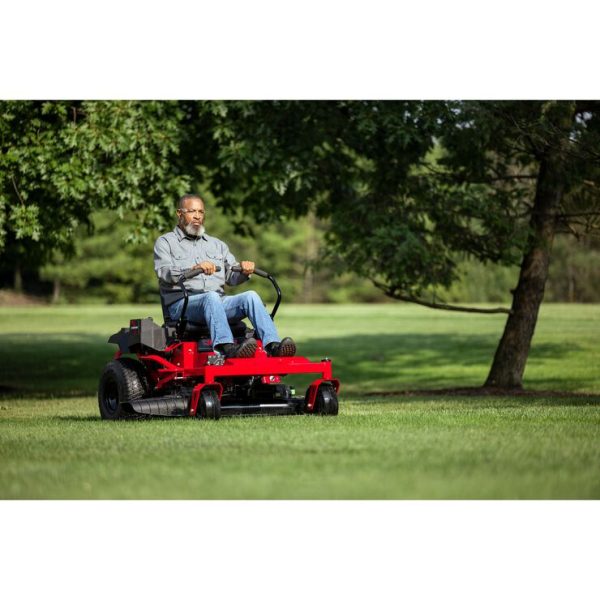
(175, 252)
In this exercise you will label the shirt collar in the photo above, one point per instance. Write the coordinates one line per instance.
(182, 234)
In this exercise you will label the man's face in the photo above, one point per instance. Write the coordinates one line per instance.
(191, 216)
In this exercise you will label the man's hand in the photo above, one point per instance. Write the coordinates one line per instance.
(208, 267)
(247, 267)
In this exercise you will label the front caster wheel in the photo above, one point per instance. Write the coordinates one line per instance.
(209, 406)
(326, 402)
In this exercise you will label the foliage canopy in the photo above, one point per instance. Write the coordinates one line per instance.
(60, 161)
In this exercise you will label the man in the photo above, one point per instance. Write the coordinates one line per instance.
(188, 246)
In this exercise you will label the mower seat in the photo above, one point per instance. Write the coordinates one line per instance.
(196, 331)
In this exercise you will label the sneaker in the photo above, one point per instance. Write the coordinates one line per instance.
(246, 349)
(287, 347)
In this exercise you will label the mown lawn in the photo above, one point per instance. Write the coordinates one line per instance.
(382, 445)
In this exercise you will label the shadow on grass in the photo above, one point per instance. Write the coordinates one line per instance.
(483, 395)
(67, 365)
(78, 419)
(420, 360)
(64, 365)
(140, 419)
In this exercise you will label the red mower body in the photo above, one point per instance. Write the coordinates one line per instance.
(186, 378)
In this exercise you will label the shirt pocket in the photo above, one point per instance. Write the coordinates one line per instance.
(181, 260)
(216, 258)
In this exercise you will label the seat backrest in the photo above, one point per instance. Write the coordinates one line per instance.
(165, 310)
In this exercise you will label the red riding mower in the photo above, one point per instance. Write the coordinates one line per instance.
(176, 373)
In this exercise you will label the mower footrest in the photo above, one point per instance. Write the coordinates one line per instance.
(165, 406)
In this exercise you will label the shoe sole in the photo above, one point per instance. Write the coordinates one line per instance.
(247, 349)
(286, 348)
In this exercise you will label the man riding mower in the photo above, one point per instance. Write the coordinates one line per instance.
(176, 371)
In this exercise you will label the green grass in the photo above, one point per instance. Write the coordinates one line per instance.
(53, 445)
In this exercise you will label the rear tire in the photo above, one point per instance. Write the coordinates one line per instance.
(209, 405)
(122, 381)
(326, 402)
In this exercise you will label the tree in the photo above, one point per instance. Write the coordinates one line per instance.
(541, 162)
(574, 270)
(103, 267)
(411, 187)
(60, 161)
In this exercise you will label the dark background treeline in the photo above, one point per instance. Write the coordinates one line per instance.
(106, 269)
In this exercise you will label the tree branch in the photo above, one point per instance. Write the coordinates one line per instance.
(463, 178)
(392, 293)
(12, 178)
(581, 214)
(571, 230)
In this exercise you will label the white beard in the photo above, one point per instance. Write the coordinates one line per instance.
(194, 230)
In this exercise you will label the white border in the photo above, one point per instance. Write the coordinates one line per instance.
(460, 49)
(313, 49)
(381, 549)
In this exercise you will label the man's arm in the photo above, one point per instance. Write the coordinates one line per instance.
(164, 267)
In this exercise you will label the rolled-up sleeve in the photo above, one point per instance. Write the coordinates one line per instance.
(231, 277)
(164, 267)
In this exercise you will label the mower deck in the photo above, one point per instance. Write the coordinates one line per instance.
(179, 406)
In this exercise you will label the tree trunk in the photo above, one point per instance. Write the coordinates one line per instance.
(309, 257)
(56, 290)
(570, 282)
(512, 352)
(18, 278)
